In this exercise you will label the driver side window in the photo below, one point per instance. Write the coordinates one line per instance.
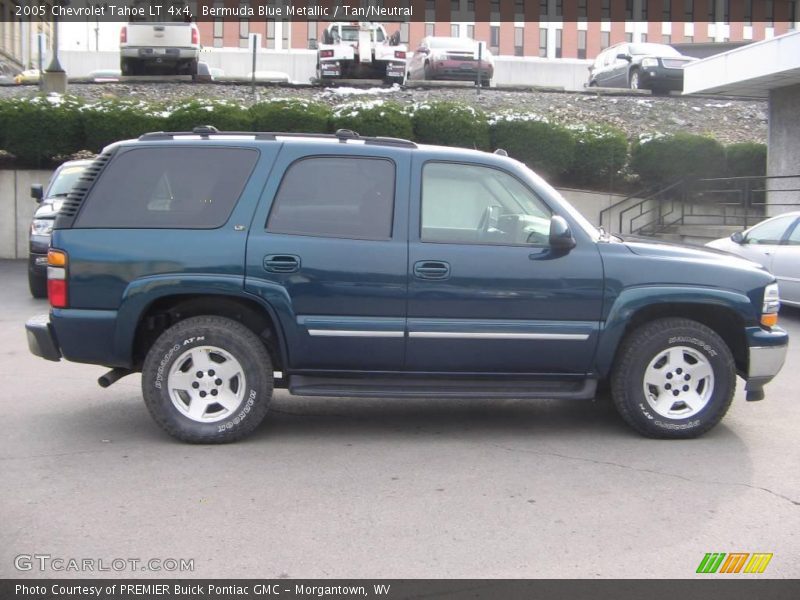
(471, 204)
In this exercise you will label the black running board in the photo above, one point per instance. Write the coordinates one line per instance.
(419, 387)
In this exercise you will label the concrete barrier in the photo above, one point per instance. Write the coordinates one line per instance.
(16, 209)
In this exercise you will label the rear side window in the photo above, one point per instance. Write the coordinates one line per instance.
(346, 197)
(169, 188)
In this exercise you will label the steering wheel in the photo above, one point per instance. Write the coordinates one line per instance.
(489, 220)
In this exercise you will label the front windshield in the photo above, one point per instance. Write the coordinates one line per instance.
(655, 49)
(64, 181)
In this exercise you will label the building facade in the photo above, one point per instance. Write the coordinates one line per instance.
(535, 28)
(19, 39)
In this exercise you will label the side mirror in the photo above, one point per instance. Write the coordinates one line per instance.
(313, 44)
(737, 237)
(624, 57)
(561, 237)
(37, 192)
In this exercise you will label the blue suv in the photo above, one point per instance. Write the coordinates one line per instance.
(223, 265)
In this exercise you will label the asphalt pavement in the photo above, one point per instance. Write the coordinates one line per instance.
(330, 488)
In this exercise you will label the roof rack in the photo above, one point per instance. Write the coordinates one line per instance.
(343, 135)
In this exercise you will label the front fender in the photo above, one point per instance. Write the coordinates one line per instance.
(632, 300)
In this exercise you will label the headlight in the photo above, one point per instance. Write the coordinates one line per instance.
(649, 62)
(42, 227)
(439, 56)
(771, 305)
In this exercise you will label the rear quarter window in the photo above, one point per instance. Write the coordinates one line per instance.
(168, 188)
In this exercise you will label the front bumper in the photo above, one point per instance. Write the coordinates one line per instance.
(767, 353)
(661, 78)
(42, 339)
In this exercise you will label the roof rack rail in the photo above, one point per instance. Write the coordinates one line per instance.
(343, 135)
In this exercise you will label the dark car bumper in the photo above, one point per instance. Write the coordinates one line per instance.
(42, 339)
(460, 70)
(660, 78)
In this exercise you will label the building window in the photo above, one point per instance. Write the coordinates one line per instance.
(404, 33)
(453, 30)
(748, 12)
(519, 7)
(644, 10)
(471, 5)
(606, 9)
(628, 38)
(219, 27)
(543, 11)
(792, 13)
(629, 10)
(285, 34)
(644, 38)
(559, 8)
(454, 8)
(583, 10)
(666, 39)
(667, 10)
(518, 41)
(581, 44)
(688, 10)
(605, 40)
(768, 12)
(689, 39)
(244, 32)
(471, 32)
(494, 38)
(428, 29)
(542, 42)
(312, 32)
(494, 7)
(558, 43)
(270, 34)
(726, 11)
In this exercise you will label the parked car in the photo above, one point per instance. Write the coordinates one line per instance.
(646, 66)
(50, 201)
(222, 266)
(28, 76)
(450, 58)
(162, 47)
(775, 244)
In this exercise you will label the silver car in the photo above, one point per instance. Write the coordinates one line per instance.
(775, 244)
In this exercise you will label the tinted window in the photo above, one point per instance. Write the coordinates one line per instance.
(480, 205)
(771, 232)
(169, 187)
(336, 197)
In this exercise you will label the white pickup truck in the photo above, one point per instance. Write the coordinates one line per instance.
(169, 47)
(361, 51)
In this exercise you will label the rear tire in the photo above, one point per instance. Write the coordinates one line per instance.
(37, 284)
(673, 378)
(208, 380)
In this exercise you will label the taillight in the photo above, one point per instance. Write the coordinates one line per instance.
(123, 35)
(326, 53)
(195, 35)
(399, 54)
(57, 278)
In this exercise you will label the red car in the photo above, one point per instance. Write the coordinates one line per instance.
(450, 58)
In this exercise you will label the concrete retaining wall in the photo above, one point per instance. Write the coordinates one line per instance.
(300, 65)
(16, 210)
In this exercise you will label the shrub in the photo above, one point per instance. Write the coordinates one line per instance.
(225, 116)
(546, 148)
(745, 159)
(109, 121)
(600, 153)
(291, 115)
(35, 130)
(451, 124)
(667, 159)
(374, 118)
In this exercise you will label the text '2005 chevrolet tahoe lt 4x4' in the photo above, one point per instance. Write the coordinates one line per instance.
(223, 265)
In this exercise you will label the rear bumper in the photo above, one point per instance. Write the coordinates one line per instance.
(42, 339)
(159, 54)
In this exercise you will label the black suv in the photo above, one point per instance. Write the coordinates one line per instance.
(655, 67)
(223, 265)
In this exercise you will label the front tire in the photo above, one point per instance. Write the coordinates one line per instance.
(674, 378)
(207, 380)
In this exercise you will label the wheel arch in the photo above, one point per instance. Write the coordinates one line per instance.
(165, 311)
(723, 312)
